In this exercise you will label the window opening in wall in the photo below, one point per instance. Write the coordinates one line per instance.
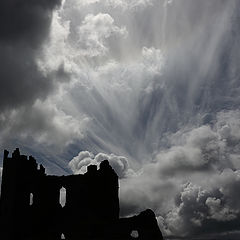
(134, 234)
(62, 236)
(62, 199)
(31, 199)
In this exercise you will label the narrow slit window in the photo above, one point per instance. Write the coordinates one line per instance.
(62, 199)
(31, 199)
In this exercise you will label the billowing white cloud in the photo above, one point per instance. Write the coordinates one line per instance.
(120, 164)
(93, 33)
(43, 123)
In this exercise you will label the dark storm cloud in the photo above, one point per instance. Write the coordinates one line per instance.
(25, 83)
(25, 20)
(24, 25)
(199, 211)
(21, 80)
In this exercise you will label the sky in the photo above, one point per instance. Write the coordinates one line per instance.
(151, 85)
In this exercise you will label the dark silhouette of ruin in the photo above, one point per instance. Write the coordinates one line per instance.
(30, 207)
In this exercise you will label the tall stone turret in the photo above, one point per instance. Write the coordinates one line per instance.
(17, 175)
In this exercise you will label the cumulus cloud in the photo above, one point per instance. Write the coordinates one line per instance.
(201, 150)
(196, 211)
(201, 210)
(219, 212)
(93, 33)
(205, 148)
(43, 123)
(200, 161)
(120, 164)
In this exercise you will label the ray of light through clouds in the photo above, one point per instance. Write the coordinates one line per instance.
(151, 85)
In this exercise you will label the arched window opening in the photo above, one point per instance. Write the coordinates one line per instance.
(134, 234)
(62, 199)
(31, 199)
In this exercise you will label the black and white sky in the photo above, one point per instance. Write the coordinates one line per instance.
(151, 85)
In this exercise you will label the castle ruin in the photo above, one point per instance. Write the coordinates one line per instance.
(30, 208)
